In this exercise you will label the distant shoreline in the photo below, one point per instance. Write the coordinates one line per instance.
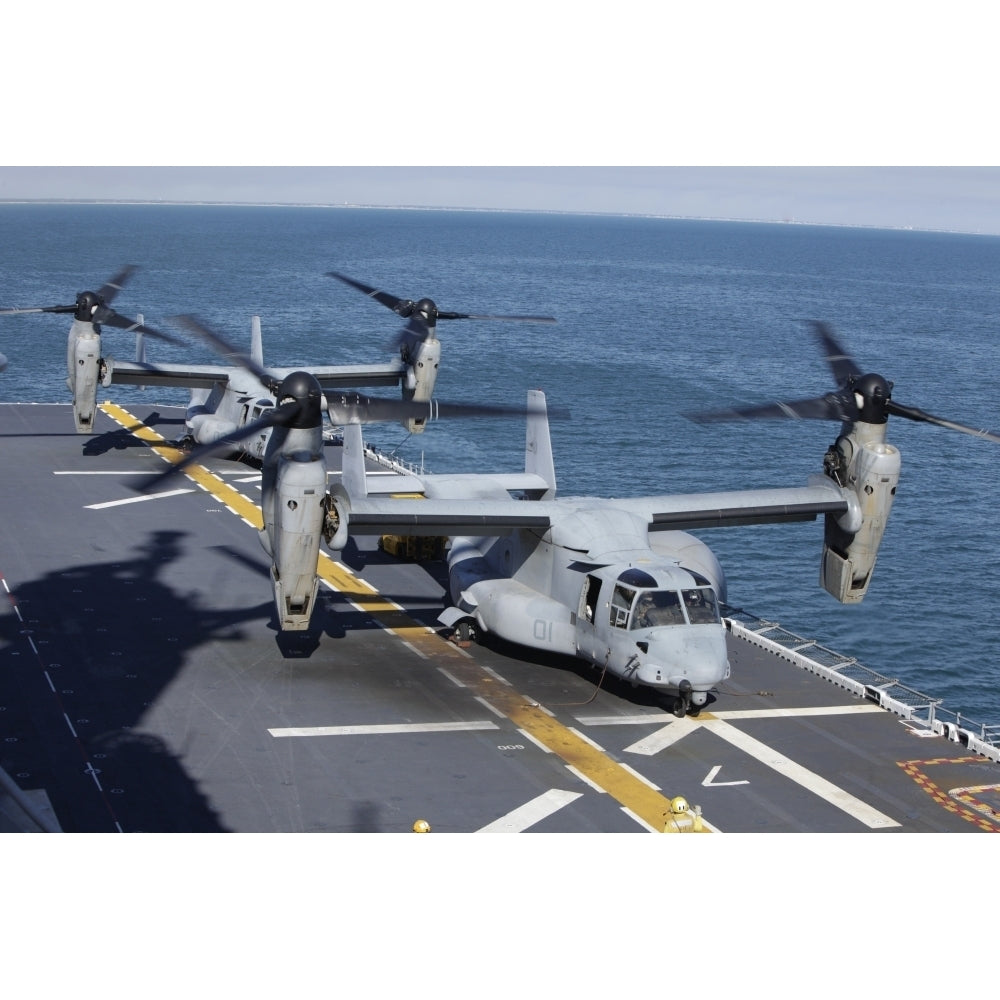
(169, 203)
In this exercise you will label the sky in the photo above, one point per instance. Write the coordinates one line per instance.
(872, 112)
(966, 199)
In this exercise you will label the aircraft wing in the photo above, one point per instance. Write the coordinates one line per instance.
(350, 376)
(687, 511)
(180, 376)
(374, 516)
(196, 376)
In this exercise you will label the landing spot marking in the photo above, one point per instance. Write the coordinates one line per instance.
(532, 812)
(382, 730)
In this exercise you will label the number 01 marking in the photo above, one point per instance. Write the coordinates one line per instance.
(543, 630)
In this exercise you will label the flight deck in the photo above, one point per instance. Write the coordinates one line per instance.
(145, 687)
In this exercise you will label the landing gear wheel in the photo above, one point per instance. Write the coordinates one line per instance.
(465, 632)
(681, 706)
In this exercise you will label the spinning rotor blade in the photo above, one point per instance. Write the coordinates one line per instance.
(224, 349)
(425, 309)
(93, 307)
(858, 397)
(912, 413)
(832, 406)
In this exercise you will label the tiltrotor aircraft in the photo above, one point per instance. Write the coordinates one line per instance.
(287, 425)
(225, 398)
(621, 583)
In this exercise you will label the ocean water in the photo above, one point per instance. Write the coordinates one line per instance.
(655, 317)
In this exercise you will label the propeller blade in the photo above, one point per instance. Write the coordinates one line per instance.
(913, 413)
(515, 319)
(833, 406)
(838, 358)
(403, 307)
(279, 415)
(108, 317)
(114, 285)
(39, 309)
(220, 346)
(858, 397)
(97, 310)
(407, 307)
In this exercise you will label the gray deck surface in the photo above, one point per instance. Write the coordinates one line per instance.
(144, 687)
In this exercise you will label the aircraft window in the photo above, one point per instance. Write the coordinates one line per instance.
(621, 602)
(658, 607)
(701, 606)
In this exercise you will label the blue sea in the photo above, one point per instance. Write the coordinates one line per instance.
(655, 317)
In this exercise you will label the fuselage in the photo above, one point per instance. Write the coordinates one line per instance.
(593, 587)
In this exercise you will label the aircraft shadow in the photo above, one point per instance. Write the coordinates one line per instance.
(110, 638)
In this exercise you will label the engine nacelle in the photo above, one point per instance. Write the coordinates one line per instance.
(423, 358)
(298, 513)
(83, 372)
(868, 468)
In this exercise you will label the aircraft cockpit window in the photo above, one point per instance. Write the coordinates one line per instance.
(621, 603)
(658, 607)
(701, 606)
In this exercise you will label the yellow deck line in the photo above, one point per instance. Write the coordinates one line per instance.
(651, 806)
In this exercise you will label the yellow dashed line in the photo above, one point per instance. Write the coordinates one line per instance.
(913, 769)
(651, 806)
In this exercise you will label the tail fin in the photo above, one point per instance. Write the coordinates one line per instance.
(538, 444)
(256, 342)
(353, 477)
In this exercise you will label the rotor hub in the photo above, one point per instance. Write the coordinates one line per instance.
(427, 310)
(872, 393)
(302, 388)
(87, 304)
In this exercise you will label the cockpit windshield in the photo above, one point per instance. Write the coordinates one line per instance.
(701, 606)
(667, 607)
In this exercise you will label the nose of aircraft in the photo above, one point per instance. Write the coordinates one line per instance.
(687, 657)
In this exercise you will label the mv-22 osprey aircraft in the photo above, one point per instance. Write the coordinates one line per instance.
(225, 398)
(275, 415)
(621, 583)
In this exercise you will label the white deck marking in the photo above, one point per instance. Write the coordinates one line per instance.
(142, 499)
(586, 739)
(809, 780)
(665, 737)
(638, 819)
(749, 713)
(710, 779)
(415, 727)
(531, 812)
(577, 773)
(641, 777)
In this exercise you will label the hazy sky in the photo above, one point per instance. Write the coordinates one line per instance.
(664, 87)
(956, 198)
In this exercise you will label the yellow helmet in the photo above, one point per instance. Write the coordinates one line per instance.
(678, 804)
(421, 826)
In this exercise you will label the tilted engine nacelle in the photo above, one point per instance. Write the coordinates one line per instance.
(291, 536)
(867, 468)
(83, 372)
(423, 358)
